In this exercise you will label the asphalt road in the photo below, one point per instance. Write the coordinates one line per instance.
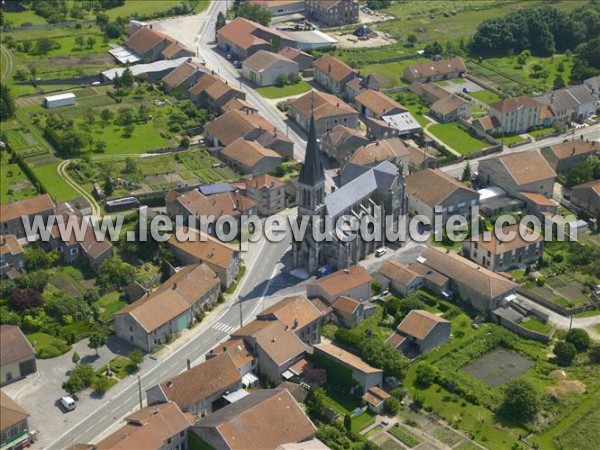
(591, 133)
(258, 288)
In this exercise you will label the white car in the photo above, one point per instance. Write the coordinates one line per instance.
(380, 251)
(68, 403)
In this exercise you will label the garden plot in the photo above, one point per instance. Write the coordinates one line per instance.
(498, 366)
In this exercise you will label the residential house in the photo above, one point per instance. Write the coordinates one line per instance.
(429, 71)
(238, 104)
(250, 125)
(433, 192)
(11, 214)
(17, 356)
(519, 172)
(14, 427)
(280, 7)
(520, 248)
(365, 375)
(154, 319)
(222, 259)
(213, 93)
(353, 282)
(573, 103)
(594, 85)
(328, 112)
(264, 419)
(250, 158)
(199, 390)
(348, 311)
(156, 427)
(392, 149)
(420, 159)
(383, 116)
(193, 205)
(297, 314)
(333, 13)
(241, 38)
(358, 85)
(268, 193)
(150, 45)
(243, 358)
(471, 283)
(566, 155)
(333, 74)
(535, 203)
(12, 258)
(451, 108)
(587, 196)
(431, 92)
(73, 248)
(184, 76)
(374, 398)
(486, 124)
(304, 60)
(341, 143)
(399, 278)
(265, 68)
(516, 115)
(419, 332)
(276, 346)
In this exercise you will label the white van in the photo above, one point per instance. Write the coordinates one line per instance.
(68, 403)
(380, 251)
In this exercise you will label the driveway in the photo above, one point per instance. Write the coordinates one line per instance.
(39, 392)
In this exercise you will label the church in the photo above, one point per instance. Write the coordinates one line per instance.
(364, 190)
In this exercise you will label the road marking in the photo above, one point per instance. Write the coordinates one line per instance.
(220, 326)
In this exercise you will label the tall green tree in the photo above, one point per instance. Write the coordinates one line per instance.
(7, 103)
(221, 21)
(521, 400)
(97, 340)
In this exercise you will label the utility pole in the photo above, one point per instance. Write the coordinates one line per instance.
(140, 390)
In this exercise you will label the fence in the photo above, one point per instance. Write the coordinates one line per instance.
(524, 332)
(553, 306)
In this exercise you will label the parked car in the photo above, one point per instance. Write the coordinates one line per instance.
(380, 251)
(68, 403)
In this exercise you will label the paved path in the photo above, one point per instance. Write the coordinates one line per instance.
(62, 172)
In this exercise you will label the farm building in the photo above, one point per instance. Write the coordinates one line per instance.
(54, 101)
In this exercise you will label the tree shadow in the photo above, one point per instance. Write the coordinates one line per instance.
(89, 359)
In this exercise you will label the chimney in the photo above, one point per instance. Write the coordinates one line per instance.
(169, 383)
(238, 205)
(346, 271)
(274, 339)
(224, 348)
(272, 182)
(189, 364)
(174, 286)
(573, 151)
(329, 68)
(295, 323)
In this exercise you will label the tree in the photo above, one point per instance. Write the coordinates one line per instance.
(391, 405)
(80, 378)
(426, 375)
(91, 41)
(467, 175)
(75, 358)
(595, 354)
(23, 299)
(143, 113)
(106, 115)
(255, 13)
(433, 49)
(27, 46)
(579, 338)
(116, 272)
(559, 82)
(99, 146)
(43, 45)
(221, 21)
(128, 130)
(348, 422)
(377, 353)
(411, 39)
(101, 385)
(108, 187)
(378, 4)
(97, 340)
(521, 400)
(131, 165)
(127, 78)
(7, 103)
(565, 353)
(315, 402)
(136, 357)
(73, 385)
(36, 258)
(80, 40)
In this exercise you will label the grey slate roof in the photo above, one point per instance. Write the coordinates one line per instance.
(312, 172)
(380, 177)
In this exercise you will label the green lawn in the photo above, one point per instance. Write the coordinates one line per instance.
(110, 304)
(286, 91)
(15, 184)
(346, 404)
(541, 132)
(390, 72)
(458, 139)
(56, 186)
(47, 346)
(592, 313)
(536, 325)
(509, 140)
(485, 96)
(120, 366)
(144, 137)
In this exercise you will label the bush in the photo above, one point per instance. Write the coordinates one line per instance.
(101, 384)
(579, 338)
(376, 286)
(426, 375)
(565, 353)
(540, 281)
(348, 337)
(521, 400)
(391, 405)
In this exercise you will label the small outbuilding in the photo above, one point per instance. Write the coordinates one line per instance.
(54, 101)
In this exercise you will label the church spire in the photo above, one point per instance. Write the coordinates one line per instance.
(312, 172)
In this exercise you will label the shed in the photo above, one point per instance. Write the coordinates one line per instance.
(54, 101)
